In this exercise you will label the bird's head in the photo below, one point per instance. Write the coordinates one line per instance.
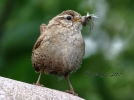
(71, 19)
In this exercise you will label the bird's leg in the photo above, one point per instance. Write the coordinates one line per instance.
(71, 91)
(38, 81)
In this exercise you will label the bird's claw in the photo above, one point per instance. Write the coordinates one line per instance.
(71, 92)
(38, 84)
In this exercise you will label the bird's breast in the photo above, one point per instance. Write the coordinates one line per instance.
(69, 50)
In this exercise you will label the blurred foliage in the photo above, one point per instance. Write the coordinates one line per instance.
(109, 46)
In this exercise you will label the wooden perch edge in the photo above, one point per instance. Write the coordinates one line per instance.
(16, 90)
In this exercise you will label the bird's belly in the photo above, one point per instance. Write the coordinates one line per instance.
(68, 55)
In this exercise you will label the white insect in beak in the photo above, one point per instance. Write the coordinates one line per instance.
(92, 15)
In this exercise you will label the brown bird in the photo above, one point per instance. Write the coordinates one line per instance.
(60, 48)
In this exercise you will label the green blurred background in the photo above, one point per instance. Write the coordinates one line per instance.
(107, 69)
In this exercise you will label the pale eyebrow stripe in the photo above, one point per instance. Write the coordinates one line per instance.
(60, 16)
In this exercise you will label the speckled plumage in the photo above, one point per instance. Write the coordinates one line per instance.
(60, 47)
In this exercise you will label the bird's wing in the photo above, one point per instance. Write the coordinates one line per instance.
(38, 42)
(48, 33)
(42, 35)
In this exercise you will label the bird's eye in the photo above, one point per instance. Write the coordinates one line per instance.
(68, 18)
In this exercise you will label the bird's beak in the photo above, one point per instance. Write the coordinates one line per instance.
(85, 19)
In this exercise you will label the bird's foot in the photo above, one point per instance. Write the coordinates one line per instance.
(71, 92)
(38, 84)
